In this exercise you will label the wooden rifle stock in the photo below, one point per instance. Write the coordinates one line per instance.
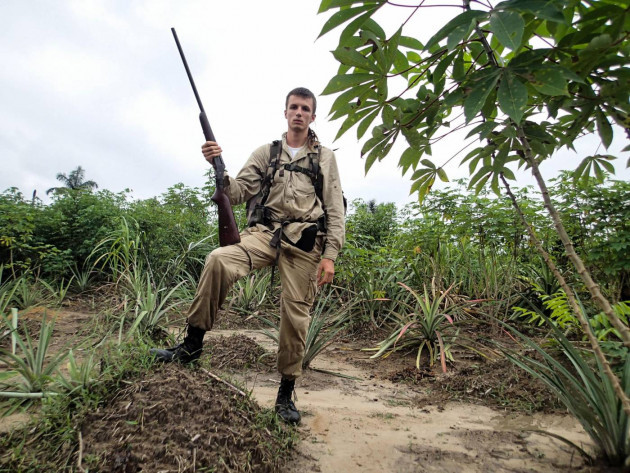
(228, 231)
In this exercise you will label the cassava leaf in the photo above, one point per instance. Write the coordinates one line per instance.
(465, 18)
(353, 58)
(345, 81)
(478, 96)
(604, 129)
(409, 158)
(550, 82)
(512, 96)
(508, 27)
(344, 15)
(442, 174)
(367, 121)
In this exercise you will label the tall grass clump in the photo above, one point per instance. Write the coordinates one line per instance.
(250, 293)
(150, 295)
(579, 381)
(32, 367)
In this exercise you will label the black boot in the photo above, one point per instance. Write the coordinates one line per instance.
(284, 405)
(186, 352)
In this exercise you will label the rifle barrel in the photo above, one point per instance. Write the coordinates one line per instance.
(190, 78)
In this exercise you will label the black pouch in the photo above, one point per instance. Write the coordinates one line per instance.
(307, 240)
(259, 214)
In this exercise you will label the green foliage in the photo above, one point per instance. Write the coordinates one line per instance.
(250, 294)
(33, 368)
(20, 249)
(74, 223)
(7, 289)
(57, 239)
(152, 305)
(170, 222)
(504, 66)
(119, 252)
(371, 276)
(75, 181)
(558, 310)
(598, 220)
(57, 428)
(370, 224)
(584, 389)
(58, 293)
(81, 375)
(28, 292)
(122, 255)
(426, 323)
(601, 325)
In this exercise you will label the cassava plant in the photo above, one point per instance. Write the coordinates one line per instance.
(526, 78)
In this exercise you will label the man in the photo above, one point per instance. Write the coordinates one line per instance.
(296, 220)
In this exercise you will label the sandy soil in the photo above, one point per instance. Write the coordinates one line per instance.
(370, 424)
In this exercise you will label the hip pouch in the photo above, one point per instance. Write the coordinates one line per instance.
(307, 240)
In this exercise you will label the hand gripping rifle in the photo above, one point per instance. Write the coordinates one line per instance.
(228, 231)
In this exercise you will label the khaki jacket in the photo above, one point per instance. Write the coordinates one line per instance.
(292, 194)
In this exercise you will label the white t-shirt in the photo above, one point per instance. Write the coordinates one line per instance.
(294, 151)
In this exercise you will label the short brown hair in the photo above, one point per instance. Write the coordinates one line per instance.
(304, 93)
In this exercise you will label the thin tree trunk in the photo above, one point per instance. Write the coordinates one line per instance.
(593, 288)
(625, 401)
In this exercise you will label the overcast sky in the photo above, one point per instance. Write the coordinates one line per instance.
(100, 84)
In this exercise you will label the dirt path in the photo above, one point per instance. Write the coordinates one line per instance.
(371, 425)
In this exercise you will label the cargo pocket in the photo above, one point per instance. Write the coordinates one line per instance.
(311, 291)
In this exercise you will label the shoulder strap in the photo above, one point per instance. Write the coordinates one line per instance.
(315, 172)
(275, 149)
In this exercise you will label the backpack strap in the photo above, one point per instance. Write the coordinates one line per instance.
(256, 210)
(275, 149)
(315, 174)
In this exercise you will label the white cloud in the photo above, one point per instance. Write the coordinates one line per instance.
(72, 72)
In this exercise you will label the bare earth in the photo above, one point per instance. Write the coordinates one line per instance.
(370, 424)
(363, 423)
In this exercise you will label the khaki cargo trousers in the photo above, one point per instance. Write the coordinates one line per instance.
(297, 270)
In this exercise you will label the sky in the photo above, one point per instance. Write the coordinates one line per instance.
(100, 84)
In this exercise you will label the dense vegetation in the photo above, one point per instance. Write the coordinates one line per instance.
(473, 240)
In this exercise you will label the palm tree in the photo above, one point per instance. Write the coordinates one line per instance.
(74, 181)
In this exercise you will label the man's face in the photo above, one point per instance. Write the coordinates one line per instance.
(299, 113)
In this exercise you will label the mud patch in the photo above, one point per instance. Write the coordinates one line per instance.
(176, 419)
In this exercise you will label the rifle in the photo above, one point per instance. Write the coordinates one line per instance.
(228, 231)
